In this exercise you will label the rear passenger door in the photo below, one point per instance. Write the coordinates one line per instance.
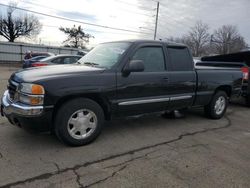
(182, 78)
(147, 91)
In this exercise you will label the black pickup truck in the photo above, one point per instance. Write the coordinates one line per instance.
(115, 79)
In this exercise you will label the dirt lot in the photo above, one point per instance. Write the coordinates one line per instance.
(147, 151)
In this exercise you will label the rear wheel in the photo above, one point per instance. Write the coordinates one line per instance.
(79, 122)
(217, 106)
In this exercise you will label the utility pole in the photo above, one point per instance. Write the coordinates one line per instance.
(156, 19)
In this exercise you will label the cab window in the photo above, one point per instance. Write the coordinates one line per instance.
(180, 58)
(152, 57)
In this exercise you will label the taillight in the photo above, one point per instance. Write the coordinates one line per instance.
(39, 64)
(245, 72)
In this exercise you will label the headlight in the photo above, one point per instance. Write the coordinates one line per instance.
(32, 94)
(33, 89)
(30, 99)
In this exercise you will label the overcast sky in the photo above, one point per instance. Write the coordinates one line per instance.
(175, 17)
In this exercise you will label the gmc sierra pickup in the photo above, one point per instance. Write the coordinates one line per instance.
(115, 79)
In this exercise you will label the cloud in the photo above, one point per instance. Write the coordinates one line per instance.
(175, 17)
(178, 16)
(77, 15)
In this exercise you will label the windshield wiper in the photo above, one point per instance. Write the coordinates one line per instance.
(91, 64)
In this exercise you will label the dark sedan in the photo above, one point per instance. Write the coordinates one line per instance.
(28, 62)
(55, 60)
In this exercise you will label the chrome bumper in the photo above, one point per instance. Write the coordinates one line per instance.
(8, 107)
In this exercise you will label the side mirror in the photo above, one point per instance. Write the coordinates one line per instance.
(134, 66)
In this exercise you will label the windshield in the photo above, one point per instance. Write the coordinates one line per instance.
(105, 55)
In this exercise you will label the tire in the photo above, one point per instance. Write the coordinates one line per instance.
(217, 108)
(79, 122)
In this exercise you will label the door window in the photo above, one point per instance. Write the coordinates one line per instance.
(152, 57)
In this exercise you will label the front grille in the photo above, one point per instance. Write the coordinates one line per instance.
(12, 87)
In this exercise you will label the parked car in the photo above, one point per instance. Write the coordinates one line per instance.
(58, 59)
(30, 55)
(113, 80)
(28, 62)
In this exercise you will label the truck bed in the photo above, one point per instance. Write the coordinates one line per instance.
(219, 65)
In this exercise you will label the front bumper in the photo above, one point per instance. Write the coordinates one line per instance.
(8, 107)
(29, 117)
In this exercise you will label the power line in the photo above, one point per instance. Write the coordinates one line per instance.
(76, 21)
(122, 9)
(176, 23)
(98, 31)
(134, 12)
(40, 5)
(37, 4)
(133, 4)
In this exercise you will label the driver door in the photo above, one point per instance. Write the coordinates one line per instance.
(146, 91)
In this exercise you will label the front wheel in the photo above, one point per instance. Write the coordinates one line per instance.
(79, 121)
(217, 106)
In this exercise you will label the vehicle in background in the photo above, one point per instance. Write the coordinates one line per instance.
(28, 62)
(30, 55)
(116, 79)
(56, 60)
(82, 52)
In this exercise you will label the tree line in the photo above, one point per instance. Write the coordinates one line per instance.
(223, 40)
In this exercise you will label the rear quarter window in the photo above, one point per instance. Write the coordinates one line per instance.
(180, 58)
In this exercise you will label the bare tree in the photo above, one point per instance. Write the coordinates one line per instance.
(198, 39)
(76, 37)
(13, 27)
(227, 40)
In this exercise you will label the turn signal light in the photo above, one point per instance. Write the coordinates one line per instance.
(37, 89)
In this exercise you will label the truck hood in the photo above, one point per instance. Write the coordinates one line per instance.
(54, 71)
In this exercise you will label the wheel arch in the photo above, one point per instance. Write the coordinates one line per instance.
(102, 101)
(226, 88)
